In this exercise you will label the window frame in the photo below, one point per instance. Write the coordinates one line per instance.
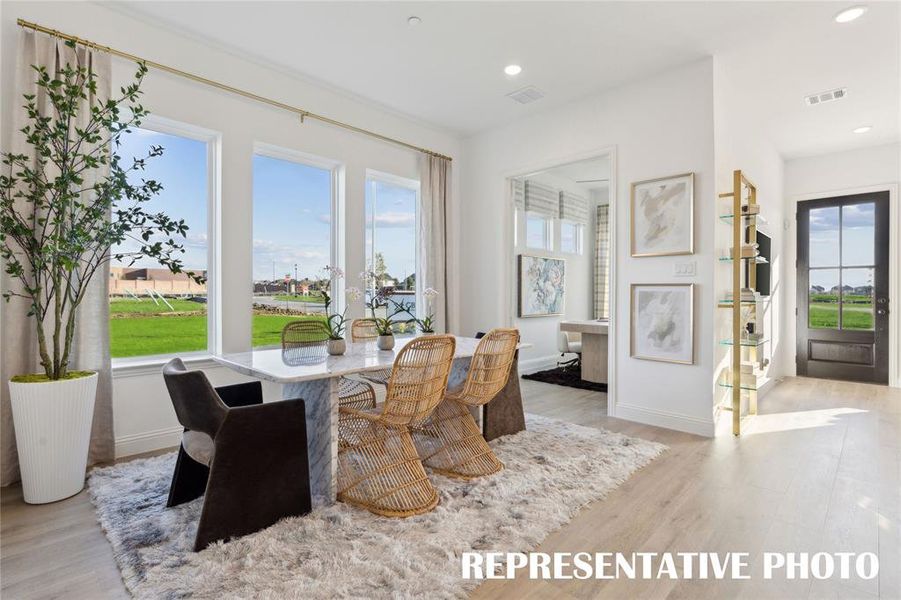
(336, 212)
(578, 237)
(213, 141)
(373, 175)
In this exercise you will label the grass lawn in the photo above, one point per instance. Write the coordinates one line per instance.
(144, 336)
(131, 306)
(299, 298)
(854, 316)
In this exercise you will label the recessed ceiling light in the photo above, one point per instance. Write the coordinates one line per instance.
(849, 14)
(512, 70)
(863, 129)
(414, 21)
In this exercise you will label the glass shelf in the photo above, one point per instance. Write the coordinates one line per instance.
(729, 303)
(744, 386)
(755, 259)
(728, 218)
(746, 343)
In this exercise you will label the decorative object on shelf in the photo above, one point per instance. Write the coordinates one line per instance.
(663, 216)
(66, 199)
(662, 322)
(542, 286)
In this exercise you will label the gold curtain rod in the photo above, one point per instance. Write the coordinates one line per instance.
(304, 114)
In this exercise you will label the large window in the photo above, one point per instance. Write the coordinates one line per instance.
(293, 200)
(153, 311)
(391, 209)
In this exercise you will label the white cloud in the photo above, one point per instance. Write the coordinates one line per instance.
(395, 219)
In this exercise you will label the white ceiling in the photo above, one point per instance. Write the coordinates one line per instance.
(449, 69)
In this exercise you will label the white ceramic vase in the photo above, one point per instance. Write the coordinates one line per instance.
(386, 342)
(53, 430)
(337, 347)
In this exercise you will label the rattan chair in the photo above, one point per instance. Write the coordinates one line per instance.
(449, 441)
(378, 467)
(364, 330)
(307, 341)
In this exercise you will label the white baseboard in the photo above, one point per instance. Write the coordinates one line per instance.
(666, 419)
(541, 363)
(148, 441)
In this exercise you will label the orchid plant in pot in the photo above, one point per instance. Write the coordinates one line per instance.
(336, 323)
(427, 323)
(64, 211)
(378, 299)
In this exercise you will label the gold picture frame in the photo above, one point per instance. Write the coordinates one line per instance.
(685, 327)
(671, 219)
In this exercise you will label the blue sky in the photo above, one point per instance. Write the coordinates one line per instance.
(182, 170)
(857, 244)
(291, 210)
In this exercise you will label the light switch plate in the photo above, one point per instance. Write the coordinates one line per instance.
(686, 269)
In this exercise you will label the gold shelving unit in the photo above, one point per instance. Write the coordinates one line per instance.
(744, 193)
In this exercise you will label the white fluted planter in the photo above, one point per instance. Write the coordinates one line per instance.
(53, 430)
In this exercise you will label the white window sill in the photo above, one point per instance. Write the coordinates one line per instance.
(152, 365)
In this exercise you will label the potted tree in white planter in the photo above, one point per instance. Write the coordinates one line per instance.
(61, 212)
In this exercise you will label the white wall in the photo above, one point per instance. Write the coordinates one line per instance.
(855, 171)
(141, 407)
(740, 144)
(660, 126)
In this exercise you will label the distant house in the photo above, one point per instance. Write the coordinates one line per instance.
(817, 289)
(150, 274)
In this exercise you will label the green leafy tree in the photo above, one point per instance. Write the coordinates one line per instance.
(61, 214)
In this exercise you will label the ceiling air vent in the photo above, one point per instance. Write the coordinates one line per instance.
(526, 95)
(828, 96)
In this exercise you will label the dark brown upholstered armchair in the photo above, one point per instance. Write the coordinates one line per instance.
(248, 459)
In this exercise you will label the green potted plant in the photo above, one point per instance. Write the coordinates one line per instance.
(336, 322)
(60, 215)
(426, 324)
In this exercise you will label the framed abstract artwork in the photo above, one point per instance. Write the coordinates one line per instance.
(663, 216)
(542, 286)
(662, 322)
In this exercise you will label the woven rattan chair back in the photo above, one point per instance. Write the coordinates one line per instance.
(304, 342)
(418, 380)
(363, 330)
(490, 367)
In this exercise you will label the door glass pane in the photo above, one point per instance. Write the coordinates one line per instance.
(857, 298)
(823, 299)
(824, 245)
(858, 234)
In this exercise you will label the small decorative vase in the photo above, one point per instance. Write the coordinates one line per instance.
(386, 342)
(337, 347)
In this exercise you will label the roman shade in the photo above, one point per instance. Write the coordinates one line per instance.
(573, 207)
(542, 200)
(518, 192)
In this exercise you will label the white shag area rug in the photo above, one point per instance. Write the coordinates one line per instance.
(552, 470)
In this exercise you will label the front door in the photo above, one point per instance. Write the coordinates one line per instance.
(843, 303)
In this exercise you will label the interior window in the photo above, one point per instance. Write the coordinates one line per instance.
(570, 237)
(538, 233)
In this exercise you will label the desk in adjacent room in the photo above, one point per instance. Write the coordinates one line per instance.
(594, 347)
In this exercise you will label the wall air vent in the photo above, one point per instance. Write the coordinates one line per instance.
(526, 95)
(827, 96)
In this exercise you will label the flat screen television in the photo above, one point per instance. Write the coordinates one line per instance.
(765, 245)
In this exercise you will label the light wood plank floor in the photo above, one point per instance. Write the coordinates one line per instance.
(818, 470)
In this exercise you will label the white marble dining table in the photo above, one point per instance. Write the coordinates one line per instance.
(313, 375)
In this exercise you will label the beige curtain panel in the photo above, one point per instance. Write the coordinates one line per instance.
(18, 343)
(435, 176)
